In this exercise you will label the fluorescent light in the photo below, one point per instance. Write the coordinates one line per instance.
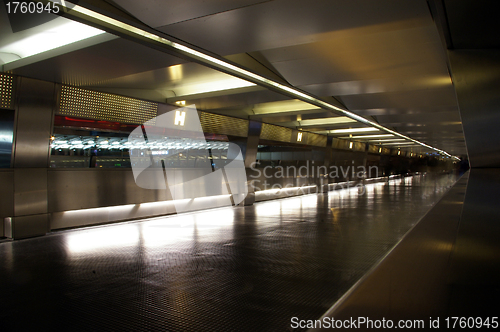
(397, 143)
(352, 130)
(326, 121)
(370, 136)
(387, 140)
(212, 86)
(281, 106)
(49, 36)
(350, 145)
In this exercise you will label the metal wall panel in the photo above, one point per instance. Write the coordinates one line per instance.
(6, 137)
(30, 191)
(30, 226)
(224, 125)
(316, 140)
(373, 148)
(104, 106)
(340, 143)
(34, 122)
(476, 74)
(275, 133)
(254, 129)
(74, 189)
(358, 146)
(6, 91)
(7, 196)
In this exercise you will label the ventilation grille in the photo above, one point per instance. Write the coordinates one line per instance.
(104, 106)
(223, 125)
(275, 133)
(316, 140)
(6, 91)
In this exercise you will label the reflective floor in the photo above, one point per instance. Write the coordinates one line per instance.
(230, 269)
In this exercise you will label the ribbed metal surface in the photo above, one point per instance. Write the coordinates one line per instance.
(104, 106)
(316, 140)
(223, 125)
(275, 133)
(6, 98)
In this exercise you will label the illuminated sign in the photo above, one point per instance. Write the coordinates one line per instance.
(180, 117)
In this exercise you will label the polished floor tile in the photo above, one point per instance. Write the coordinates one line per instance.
(230, 269)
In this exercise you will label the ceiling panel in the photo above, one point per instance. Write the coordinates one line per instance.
(159, 13)
(283, 23)
(382, 59)
(435, 98)
(362, 54)
(99, 63)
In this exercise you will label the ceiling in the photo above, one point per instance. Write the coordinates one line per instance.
(384, 60)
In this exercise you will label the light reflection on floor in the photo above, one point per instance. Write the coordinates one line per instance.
(221, 269)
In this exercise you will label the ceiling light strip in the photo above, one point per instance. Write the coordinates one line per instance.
(219, 63)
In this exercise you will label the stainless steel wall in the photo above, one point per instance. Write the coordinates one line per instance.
(476, 77)
(73, 189)
(7, 196)
(41, 198)
(78, 197)
(35, 104)
(34, 116)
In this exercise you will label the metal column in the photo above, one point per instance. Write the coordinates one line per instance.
(34, 115)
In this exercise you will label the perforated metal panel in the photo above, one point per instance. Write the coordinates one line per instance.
(316, 140)
(224, 125)
(275, 133)
(373, 148)
(104, 106)
(6, 100)
(340, 144)
(358, 146)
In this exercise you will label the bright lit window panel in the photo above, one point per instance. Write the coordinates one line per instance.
(104, 106)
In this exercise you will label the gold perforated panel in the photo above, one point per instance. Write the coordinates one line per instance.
(275, 133)
(316, 140)
(373, 148)
(340, 144)
(223, 125)
(6, 91)
(358, 146)
(104, 106)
